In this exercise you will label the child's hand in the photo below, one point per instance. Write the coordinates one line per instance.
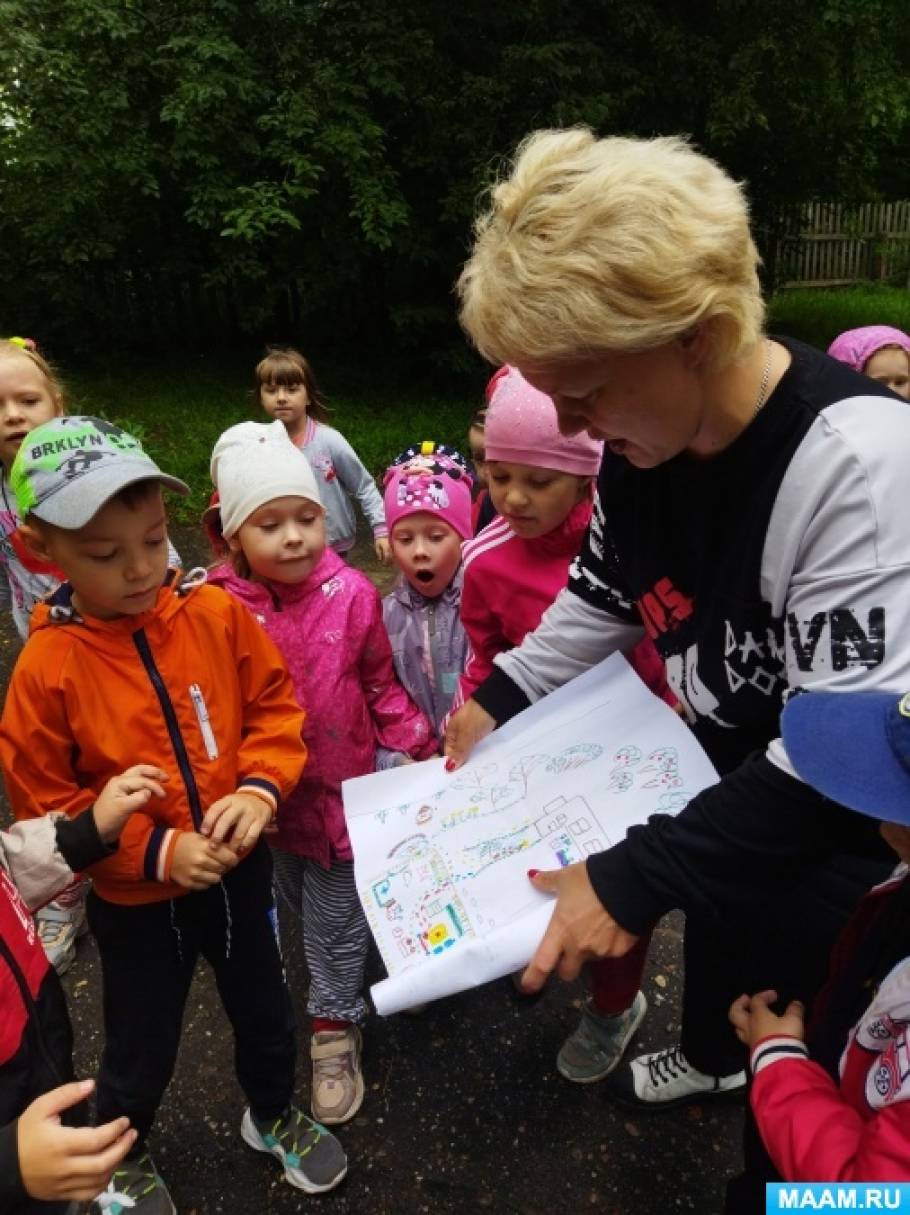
(122, 795)
(753, 1019)
(198, 862)
(240, 818)
(383, 550)
(60, 1163)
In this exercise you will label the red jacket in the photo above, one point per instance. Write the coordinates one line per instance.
(508, 585)
(193, 685)
(853, 1129)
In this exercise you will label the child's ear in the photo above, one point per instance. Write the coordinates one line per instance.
(232, 542)
(35, 542)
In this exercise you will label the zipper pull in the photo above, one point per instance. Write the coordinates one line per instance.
(205, 725)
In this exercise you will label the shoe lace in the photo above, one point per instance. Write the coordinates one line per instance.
(667, 1065)
(297, 1133)
(128, 1186)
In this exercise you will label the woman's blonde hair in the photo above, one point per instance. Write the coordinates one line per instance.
(595, 245)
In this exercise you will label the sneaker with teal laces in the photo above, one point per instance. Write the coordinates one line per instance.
(135, 1187)
(598, 1043)
(312, 1157)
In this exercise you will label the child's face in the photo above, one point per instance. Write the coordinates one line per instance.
(117, 562)
(533, 500)
(283, 539)
(427, 551)
(26, 400)
(891, 367)
(285, 402)
(477, 444)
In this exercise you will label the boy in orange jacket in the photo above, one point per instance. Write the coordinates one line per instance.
(126, 662)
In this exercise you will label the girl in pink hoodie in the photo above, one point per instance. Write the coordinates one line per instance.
(542, 485)
(326, 619)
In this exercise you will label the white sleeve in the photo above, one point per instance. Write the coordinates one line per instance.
(357, 481)
(572, 636)
(836, 561)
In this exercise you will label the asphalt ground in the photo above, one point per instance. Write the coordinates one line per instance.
(464, 1111)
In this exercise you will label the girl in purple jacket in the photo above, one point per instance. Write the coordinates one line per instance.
(428, 512)
(326, 619)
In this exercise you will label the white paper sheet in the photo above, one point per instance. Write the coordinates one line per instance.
(441, 859)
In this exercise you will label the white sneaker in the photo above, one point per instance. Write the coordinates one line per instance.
(665, 1078)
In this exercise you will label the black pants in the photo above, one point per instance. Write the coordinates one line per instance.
(784, 943)
(148, 956)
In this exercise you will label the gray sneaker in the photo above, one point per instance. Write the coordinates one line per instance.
(59, 928)
(312, 1157)
(597, 1045)
(135, 1187)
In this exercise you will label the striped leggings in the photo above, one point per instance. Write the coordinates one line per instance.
(335, 932)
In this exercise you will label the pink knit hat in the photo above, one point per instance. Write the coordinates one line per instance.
(857, 346)
(429, 483)
(522, 428)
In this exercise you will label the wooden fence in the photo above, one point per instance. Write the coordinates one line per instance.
(833, 244)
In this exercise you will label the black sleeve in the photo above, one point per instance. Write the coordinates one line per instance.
(79, 842)
(12, 1191)
(501, 698)
(733, 845)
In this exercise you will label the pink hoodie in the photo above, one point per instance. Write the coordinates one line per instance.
(329, 630)
(508, 585)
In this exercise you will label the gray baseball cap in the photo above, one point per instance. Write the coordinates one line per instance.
(67, 469)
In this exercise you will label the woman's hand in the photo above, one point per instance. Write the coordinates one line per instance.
(580, 928)
(466, 727)
(383, 550)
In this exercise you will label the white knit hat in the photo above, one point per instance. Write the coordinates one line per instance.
(254, 462)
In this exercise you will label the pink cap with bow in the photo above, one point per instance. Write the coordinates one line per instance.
(432, 484)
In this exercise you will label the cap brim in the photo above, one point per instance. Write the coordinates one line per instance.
(75, 505)
(838, 744)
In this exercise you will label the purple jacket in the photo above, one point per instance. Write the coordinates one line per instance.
(428, 644)
(329, 629)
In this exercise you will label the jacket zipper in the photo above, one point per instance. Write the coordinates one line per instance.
(173, 728)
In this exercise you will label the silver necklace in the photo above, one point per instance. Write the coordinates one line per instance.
(763, 386)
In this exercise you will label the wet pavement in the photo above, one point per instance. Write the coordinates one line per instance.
(464, 1111)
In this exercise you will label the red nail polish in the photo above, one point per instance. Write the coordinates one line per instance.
(450, 765)
(532, 873)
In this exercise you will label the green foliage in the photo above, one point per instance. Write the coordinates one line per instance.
(818, 316)
(308, 169)
(178, 415)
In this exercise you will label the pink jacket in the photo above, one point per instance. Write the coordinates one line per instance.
(508, 585)
(329, 629)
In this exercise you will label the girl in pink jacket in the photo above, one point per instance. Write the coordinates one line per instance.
(326, 619)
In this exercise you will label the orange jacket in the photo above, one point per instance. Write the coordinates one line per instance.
(194, 686)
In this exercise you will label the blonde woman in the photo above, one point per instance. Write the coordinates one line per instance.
(748, 518)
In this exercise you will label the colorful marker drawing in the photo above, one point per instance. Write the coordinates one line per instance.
(441, 859)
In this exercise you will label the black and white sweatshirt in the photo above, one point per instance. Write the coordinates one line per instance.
(781, 564)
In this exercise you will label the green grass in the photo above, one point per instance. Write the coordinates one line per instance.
(818, 316)
(178, 415)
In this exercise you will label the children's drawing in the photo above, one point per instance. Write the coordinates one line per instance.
(441, 860)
